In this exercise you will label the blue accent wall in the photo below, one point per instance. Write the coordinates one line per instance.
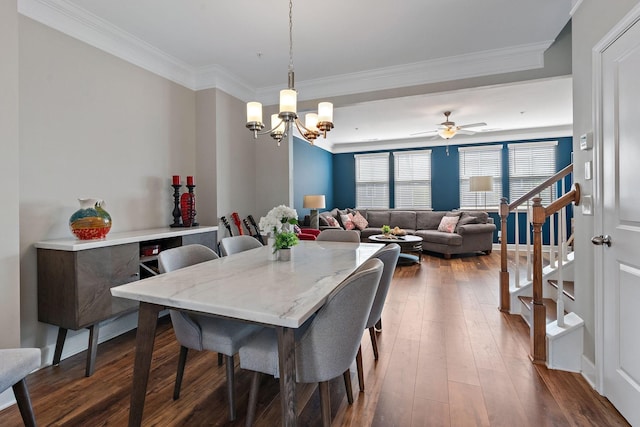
(312, 174)
(338, 177)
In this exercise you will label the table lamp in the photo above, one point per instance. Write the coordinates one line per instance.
(314, 202)
(481, 184)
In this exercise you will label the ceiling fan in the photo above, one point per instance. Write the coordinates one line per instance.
(448, 129)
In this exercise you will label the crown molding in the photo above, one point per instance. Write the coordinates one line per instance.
(495, 61)
(478, 138)
(76, 22)
(575, 4)
(73, 21)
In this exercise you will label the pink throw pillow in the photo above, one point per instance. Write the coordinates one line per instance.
(448, 224)
(347, 221)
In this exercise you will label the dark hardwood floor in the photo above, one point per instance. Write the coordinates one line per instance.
(448, 357)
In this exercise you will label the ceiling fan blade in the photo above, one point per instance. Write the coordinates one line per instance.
(466, 132)
(472, 125)
(423, 133)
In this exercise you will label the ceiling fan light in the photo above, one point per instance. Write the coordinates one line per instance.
(447, 133)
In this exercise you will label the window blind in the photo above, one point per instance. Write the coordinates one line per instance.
(531, 164)
(484, 160)
(372, 180)
(412, 183)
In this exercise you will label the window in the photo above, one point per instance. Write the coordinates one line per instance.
(531, 164)
(372, 180)
(480, 161)
(412, 184)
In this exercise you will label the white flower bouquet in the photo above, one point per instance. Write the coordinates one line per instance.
(276, 218)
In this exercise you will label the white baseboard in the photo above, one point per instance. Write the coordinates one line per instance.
(589, 372)
(7, 399)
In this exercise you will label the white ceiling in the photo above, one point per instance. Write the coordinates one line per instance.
(340, 47)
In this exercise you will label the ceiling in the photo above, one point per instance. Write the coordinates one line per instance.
(341, 48)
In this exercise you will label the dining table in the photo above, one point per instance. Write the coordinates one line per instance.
(249, 286)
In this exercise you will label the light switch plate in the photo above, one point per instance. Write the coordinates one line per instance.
(587, 205)
(587, 170)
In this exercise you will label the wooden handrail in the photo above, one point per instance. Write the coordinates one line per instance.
(538, 189)
(571, 196)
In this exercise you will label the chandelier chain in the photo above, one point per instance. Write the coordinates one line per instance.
(290, 35)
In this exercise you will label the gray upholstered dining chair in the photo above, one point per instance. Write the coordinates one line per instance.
(200, 332)
(325, 345)
(15, 365)
(235, 244)
(331, 235)
(389, 257)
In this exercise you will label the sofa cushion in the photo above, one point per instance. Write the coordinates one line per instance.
(432, 236)
(347, 221)
(480, 216)
(448, 224)
(332, 222)
(359, 221)
(402, 219)
(378, 218)
(428, 220)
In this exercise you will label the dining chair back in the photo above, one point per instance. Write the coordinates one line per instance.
(15, 365)
(326, 345)
(331, 235)
(200, 332)
(389, 257)
(235, 244)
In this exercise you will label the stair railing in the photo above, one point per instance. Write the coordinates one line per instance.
(555, 252)
(539, 324)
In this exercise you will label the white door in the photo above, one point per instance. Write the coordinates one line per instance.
(621, 222)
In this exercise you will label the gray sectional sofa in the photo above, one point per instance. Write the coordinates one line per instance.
(473, 232)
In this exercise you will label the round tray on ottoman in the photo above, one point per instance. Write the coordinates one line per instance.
(410, 246)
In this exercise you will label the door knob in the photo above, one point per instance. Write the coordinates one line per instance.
(601, 240)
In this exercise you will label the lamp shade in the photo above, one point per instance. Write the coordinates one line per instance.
(314, 201)
(481, 183)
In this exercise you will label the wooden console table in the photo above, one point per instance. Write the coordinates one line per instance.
(75, 277)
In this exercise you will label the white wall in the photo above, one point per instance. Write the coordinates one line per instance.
(9, 243)
(91, 125)
(235, 159)
(591, 22)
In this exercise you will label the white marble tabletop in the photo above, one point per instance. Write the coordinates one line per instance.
(251, 287)
(122, 238)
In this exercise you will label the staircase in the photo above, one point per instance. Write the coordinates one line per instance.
(544, 296)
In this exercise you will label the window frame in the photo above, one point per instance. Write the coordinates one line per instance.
(481, 200)
(530, 181)
(413, 184)
(378, 181)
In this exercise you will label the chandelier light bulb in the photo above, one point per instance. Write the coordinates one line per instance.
(311, 122)
(325, 112)
(254, 112)
(288, 101)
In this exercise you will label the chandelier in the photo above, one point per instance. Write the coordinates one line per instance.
(282, 123)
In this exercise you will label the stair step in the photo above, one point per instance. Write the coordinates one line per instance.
(568, 287)
(549, 304)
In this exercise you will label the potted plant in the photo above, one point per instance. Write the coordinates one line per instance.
(386, 230)
(284, 242)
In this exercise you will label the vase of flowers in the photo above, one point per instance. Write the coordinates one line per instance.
(277, 222)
